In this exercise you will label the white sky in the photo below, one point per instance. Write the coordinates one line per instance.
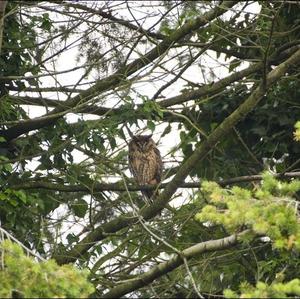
(67, 60)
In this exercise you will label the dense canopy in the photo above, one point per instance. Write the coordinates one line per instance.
(215, 82)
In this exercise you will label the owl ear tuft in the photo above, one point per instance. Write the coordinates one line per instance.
(148, 136)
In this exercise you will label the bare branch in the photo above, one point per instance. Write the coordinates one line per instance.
(118, 76)
(119, 186)
(216, 136)
(109, 16)
(173, 263)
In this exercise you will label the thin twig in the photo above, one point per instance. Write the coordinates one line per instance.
(9, 236)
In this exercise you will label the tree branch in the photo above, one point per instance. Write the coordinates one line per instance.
(109, 16)
(119, 186)
(120, 75)
(45, 89)
(2, 14)
(205, 90)
(173, 263)
(216, 136)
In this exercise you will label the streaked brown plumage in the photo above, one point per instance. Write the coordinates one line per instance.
(145, 162)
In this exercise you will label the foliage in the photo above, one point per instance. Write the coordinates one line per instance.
(22, 274)
(77, 79)
(269, 210)
(262, 290)
(297, 132)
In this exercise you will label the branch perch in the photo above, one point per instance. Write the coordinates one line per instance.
(218, 134)
(173, 263)
(119, 186)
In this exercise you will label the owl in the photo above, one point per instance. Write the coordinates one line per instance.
(145, 162)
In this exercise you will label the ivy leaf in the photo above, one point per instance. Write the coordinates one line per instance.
(46, 22)
(80, 207)
(166, 131)
(72, 238)
(32, 81)
(112, 142)
(151, 125)
(21, 195)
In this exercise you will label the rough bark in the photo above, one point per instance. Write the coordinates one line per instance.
(173, 263)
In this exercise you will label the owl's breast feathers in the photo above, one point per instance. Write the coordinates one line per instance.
(146, 166)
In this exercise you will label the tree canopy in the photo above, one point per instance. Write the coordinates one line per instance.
(215, 82)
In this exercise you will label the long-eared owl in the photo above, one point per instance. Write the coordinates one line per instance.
(145, 162)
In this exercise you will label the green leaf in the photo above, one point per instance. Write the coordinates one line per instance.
(166, 131)
(234, 64)
(151, 125)
(32, 81)
(80, 207)
(112, 142)
(46, 22)
(21, 195)
(72, 238)
(8, 167)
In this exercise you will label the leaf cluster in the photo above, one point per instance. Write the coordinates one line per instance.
(269, 210)
(297, 131)
(22, 274)
(263, 290)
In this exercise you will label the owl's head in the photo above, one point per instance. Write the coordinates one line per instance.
(143, 142)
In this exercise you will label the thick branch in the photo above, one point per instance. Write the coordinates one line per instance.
(205, 90)
(221, 131)
(41, 101)
(113, 80)
(173, 263)
(216, 136)
(119, 186)
(210, 89)
(45, 89)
